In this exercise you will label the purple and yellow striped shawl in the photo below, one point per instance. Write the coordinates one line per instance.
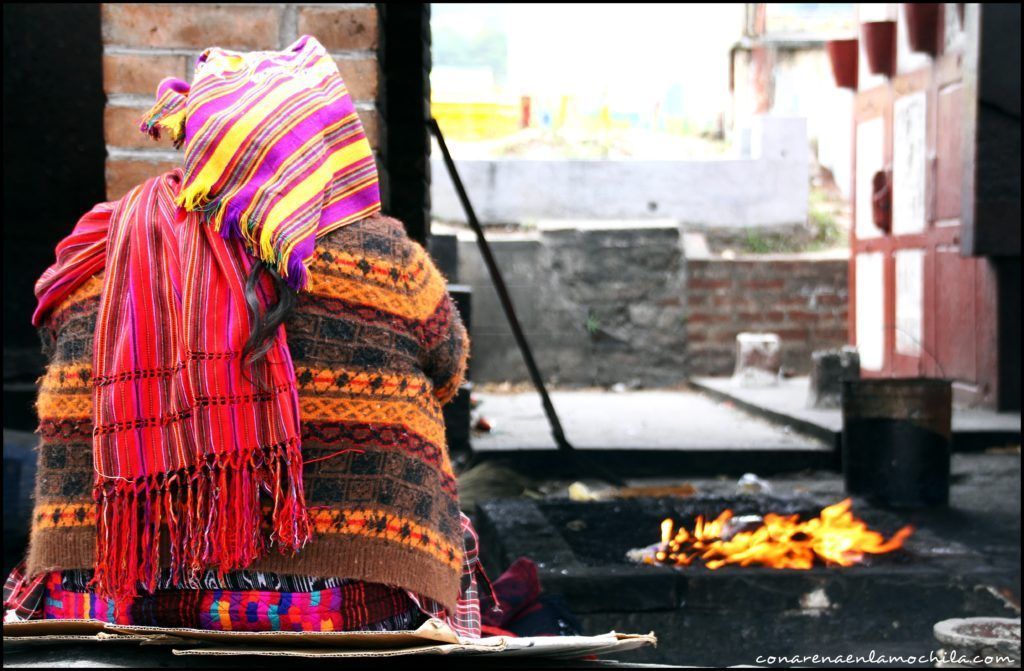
(275, 153)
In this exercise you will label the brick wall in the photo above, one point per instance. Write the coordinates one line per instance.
(804, 301)
(608, 303)
(143, 43)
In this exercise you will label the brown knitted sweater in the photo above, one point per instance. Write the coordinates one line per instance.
(378, 348)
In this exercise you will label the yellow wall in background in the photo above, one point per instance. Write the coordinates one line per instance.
(470, 121)
(477, 120)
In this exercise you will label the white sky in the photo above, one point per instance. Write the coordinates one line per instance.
(624, 54)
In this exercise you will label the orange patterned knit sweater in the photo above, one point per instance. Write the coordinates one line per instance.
(378, 348)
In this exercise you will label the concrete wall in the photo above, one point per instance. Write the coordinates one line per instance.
(143, 43)
(803, 86)
(794, 79)
(600, 305)
(611, 303)
(765, 185)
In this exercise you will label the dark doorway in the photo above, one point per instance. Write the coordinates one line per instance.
(405, 107)
(53, 166)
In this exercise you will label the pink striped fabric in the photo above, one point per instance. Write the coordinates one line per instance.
(184, 442)
(275, 153)
(79, 257)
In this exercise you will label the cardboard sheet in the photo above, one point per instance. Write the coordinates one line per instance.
(557, 647)
(432, 638)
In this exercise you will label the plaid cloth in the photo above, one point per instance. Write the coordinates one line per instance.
(25, 596)
(186, 435)
(465, 621)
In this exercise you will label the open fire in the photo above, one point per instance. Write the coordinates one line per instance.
(834, 537)
(591, 552)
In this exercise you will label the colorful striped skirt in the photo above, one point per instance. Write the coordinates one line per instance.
(239, 601)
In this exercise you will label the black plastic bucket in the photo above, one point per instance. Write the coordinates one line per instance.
(896, 440)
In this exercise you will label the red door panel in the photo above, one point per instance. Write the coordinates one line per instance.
(949, 162)
(955, 310)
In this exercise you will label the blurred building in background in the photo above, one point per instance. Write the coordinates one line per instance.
(933, 291)
(924, 146)
(780, 66)
(657, 70)
(935, 268)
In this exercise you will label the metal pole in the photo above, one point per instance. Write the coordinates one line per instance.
(506, 300)
(582, 464)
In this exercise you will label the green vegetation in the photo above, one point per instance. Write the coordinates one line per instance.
(823, 218)
(757, 243)
(824, 230)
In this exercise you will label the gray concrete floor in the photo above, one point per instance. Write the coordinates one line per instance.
(676, 419)
(789, 397)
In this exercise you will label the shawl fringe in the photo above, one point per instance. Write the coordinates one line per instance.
(212, 517)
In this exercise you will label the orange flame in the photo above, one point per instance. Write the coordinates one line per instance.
(836, 537)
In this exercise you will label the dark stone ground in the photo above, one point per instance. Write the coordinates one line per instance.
(887, 607)
(984, 510)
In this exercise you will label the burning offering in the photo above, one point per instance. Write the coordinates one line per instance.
(835, 537)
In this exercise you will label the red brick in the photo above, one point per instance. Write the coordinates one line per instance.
(833, 334)
(791, 335)
(732, 302)
(764, 284)
(761, 317)
(718, 271)
(121, 129)
(698, 300)
(129, 73)
(831, 299)
(371, 125)
(340, 29)
(708, 284)
(708, 318)
(712, 352)
(726, 347)
(802, 316)
(361, 77)
(191, 25)
(123, 174)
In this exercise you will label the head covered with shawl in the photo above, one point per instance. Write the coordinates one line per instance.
(275, 153)
(196, 448)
